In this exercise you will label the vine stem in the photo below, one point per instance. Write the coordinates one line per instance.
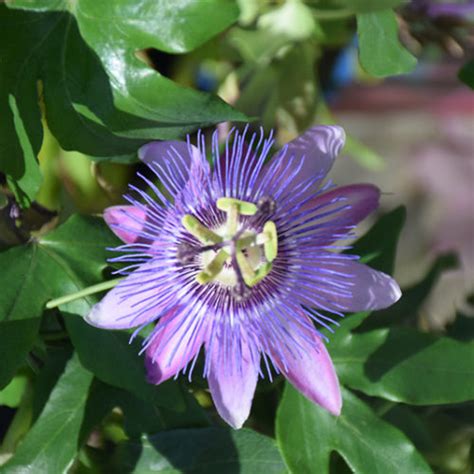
(90, 290)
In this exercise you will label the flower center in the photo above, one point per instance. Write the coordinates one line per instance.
(235, 255)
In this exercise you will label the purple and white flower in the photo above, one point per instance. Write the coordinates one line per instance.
(241, 258)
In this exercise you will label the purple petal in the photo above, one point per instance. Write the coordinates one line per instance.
(173, 161)
(311, 371)
(133, 302)
(337, 211)
(126, 222)
(349, 286)
(232, 388)
(451, 9)
(175, 343)
(318, 146)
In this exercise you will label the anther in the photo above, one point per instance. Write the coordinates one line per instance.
(202, 233)
(213, 268)
(243, 207)
(270, 247)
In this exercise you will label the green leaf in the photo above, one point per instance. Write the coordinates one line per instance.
(201, 451)
(64, 261)
(406, 366)
(27, 186)
(378, 246)
(16, 340)
(466, 74)
(365, 6)
(52, 444)
(142, 417)
(307, 435)
(11, 395)
(45, 61)
(116, 361)
(149, 105)
(54, 363)
(380, 51)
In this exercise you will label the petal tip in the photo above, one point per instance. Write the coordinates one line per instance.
(339, 137)
(96, 317)
(334, 405)
(143, 151)
(396, 291)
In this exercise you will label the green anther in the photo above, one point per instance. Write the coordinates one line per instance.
(213, 268)
(260, 274)
(271, 246)
(232, 219)
(248, 272)
(243, 207)
(203, 234)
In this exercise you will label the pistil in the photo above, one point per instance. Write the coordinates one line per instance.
(234, 246)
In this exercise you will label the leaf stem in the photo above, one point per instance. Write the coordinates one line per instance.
(90, 290)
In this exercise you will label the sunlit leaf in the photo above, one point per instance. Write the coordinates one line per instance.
(307, 435)
(380, 51)
(407, 366)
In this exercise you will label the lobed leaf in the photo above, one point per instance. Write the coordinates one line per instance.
(307, 435)
(63, 261)
(406, 366)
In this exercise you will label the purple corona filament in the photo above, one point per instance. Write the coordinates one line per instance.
(242, 258)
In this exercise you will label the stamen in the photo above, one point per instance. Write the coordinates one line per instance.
(213, 268)
(271, 246)
(203, 234)
(260, 274)
(243, 207)
(248, 273)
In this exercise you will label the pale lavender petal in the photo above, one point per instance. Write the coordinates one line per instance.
(136, 300)
(451, 9)
(318, 146)
(330, 216)
(346, 285)
(177, 340)
(161, 152)
(174, 162)
(232, 388)
(126, 222)
(311, 371)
